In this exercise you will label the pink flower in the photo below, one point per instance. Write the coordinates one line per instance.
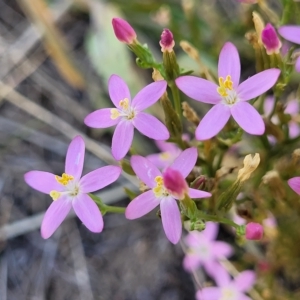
(254, 231)
(294, 184)
(229, 98)
(160, 195)
(70, 190)
(204, 251)
(123, 31)
(128, 114)
(228, 289)
(270, 40)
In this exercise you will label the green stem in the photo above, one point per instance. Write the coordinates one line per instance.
(216, 219)
(176, 99)
(107, 208)
(287, 11)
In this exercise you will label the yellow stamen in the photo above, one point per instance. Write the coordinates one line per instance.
(64, 179)
(159, 180)
(54, 195)
(114, 113)
(224, 86)
(124, 103)
(160, 190)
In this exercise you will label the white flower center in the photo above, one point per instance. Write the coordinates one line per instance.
(229, 294)
(226, 91)
(125, 111)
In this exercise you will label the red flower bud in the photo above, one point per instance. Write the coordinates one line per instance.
(166, 41)
(123, 31)
(175, 183)
(254, 231)
(270, 39)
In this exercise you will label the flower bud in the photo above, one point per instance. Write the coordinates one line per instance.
(254, 231)
(270, 40)
(123, 31)
(175, 183)
(166, 41)
(250, 165)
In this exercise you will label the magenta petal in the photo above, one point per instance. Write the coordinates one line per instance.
(42, 181)
(222, 249)
(145, 170)
(257, 84)
(193, 193)
(248, 118)
(122, 139)
(54, 216)
(150, 126)
(199, 89)
(149, 95)
(211, 230)
(75, 157)
(297, 65)
(209, 293)
(141, 205)
(99, 178)
(290, 33)
(229, 63)
(213, 122)
(88, 212)
(100, 119)
(171, 219)
(186, 161)
(118, 90)
(245, 281)
(294, 184)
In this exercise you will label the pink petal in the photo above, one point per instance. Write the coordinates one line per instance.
(54, 216)
(167, 147)
(118, 90)
(193, 193)
(145, 170)
(211, 230)
(213, 122)
(297, 65)
(292, 107)
(209, 293)
(294, 130)
(221, 276)
(141, 205)
(42, 181)
(222, 249)
(150, 126)
(290, 33)
(171, 219)
(122, 139)
(244, 297)
(269, 105)
(186, 161)
(75, 157)
(257, 84)
(294, 184)
(245, 281)
(248, 118)
(229, 63)
(199, 89)
(191, 262)
(149, 95)
(99, 178)
(193, 239)
(100, 119)
(88, 213)
(159, 161)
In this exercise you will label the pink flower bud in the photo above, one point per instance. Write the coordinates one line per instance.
(123, 31)
(175, 183)
(270, 39)
(166, 41)
(254, 231)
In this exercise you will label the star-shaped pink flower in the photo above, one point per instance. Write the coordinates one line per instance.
(71, 190)
(229, 98)
(128, 114)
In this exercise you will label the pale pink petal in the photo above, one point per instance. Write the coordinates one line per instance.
(220, 275)
(100, 119)
(186, 161)
(222, 249)
(88, 212)
(42, 181)
(75, 157)
(269, 105)
(211, 230)
(292, 107)
(141, 205)
(171, 219)
(248, 118)
(191, 262)
(257, 84)
(209, 293)
(294, 130)
(229, 63)
(145, 170)
(290, 33)
(149, 95)
(245, 281)
(122, 139)
(244, 297)
(159, 161)
(294, 184)
(213, 122)
(99, 178)
(118, 90)
(199, 89)
(54, 216)
(150, 126)
(212, 268)
(167, 147)
(193, 193)
(297, 65)
(193, 239)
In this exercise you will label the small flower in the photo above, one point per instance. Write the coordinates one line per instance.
(167, 42)
(228, 289)
(270, 40)
(229, 98)
(123, 31)
(254, 231)
(70, 190)
(128, 115)
(160, 195)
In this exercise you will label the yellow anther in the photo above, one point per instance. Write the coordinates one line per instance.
(114, 113)
(54, 195)
(164, 155)
(124, 103)
(64, 179)
(224, 86)
(159, 180)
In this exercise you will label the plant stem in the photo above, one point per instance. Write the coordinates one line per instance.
(176, 99)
